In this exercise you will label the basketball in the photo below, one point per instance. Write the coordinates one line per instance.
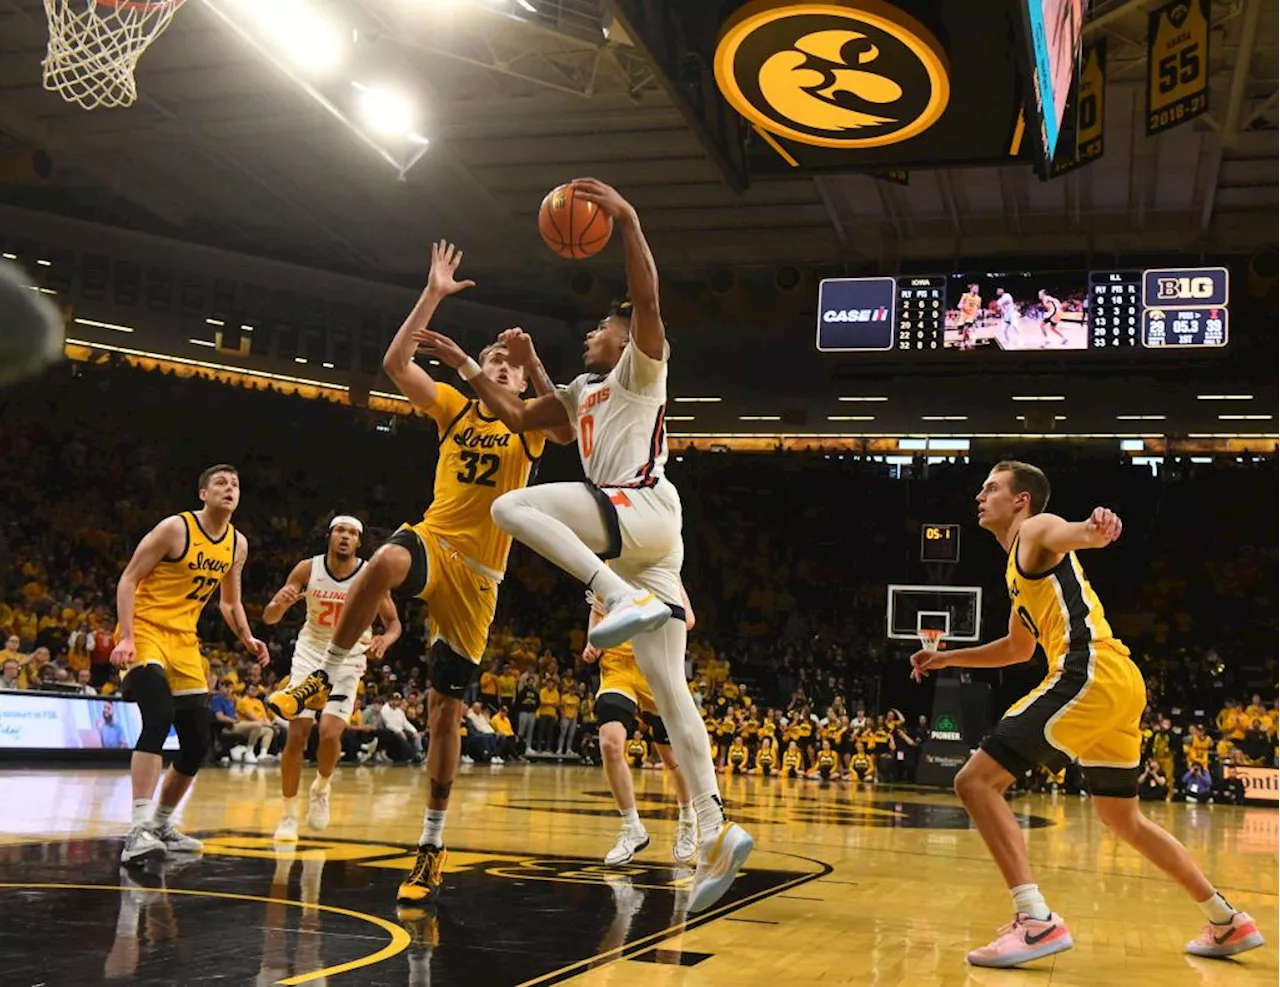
(572, 227)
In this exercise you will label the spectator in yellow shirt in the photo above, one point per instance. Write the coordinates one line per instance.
(544, 727)
(507, 682)
(12, 650)
(570, 703)
(489, 687)
(250, 709)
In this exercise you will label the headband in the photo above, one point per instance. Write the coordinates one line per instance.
(347, 519)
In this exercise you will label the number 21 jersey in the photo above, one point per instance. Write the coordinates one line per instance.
(326, 596)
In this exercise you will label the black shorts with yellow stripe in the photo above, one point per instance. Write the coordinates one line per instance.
(1088, 712)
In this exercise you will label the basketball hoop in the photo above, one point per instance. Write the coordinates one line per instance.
(94, 47)
(930, 638)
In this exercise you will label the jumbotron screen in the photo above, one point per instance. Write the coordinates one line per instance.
(1025, 311)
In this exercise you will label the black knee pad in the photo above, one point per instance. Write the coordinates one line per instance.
(192, 725)
(416, 581)
(148, 687)
(449, 672)
(613, 707)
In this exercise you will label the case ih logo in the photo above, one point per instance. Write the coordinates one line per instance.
(880, 314)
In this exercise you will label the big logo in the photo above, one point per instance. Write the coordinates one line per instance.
(852, 74)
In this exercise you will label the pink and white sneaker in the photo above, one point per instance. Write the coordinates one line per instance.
(1023, 940)
(1238, 936)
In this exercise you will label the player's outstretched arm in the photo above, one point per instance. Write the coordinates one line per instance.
(232, 607)
(1014, 648)
(290, 593)
(521, 353)
(166, 540)
(391, 628)
(414, 382)
(543, 413)
(1059, 536)
(642, 271)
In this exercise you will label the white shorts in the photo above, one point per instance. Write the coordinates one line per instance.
(646, 545)
(343, 686)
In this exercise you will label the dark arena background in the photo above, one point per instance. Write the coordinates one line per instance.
(215, 216)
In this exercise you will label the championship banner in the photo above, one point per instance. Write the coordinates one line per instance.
(1177, 64)
(1088, 106)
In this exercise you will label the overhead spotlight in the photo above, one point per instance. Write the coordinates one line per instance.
(309, 41)
(527, 6)
(385, 111)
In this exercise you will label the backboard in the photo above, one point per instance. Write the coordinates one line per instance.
(955, 610)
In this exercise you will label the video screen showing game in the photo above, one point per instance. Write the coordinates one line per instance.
(1017, 310)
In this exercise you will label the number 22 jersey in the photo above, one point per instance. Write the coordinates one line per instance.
(174, 593)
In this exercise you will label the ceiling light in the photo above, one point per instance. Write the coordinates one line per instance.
(851, 418)
(1132, 445)
(385, 111)
(45, 263)
(697, 400)
(103, 325)
(215, 322)
(1224, 397)
(679, 418)
(944, 418)
(10, 256)
(327, 365)
(246, 328)
(871, 397)
(1245, 418)
(1140, 418)
(759, 418)
(1038, 397)
(1056, 418)
(299, 359)
(527, 6)
(202, 342)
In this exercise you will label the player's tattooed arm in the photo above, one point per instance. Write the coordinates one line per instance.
(288, 594)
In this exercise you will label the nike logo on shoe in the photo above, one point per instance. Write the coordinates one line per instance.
(1220, 940)
(1031, 940)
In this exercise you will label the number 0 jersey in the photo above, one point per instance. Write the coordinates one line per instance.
(326, 596)
(480, 459)
(172, 595)
(1061, 611)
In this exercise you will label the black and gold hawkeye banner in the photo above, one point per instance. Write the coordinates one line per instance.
(1177, 64)
(1082, 137)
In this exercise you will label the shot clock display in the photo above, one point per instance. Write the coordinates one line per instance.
(940, 543)
(1025, 311)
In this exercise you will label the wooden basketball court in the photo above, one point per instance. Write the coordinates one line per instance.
(883, 887)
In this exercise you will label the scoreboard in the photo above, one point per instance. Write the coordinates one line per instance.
(1021, 310)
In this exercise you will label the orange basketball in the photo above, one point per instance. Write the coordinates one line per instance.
(574, 228)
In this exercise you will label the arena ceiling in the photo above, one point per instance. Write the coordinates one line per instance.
(224, 149)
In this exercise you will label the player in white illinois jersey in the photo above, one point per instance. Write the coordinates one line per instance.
(627, 512)
(1008, 316)
(323, 582)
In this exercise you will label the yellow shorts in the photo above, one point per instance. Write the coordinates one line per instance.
(620, 673)
(176, 652)
(1090, 711)
(460, 601)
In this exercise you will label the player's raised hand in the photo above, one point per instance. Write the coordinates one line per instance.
(259, 650)
(519, 346)
(608, 198)
(440, 347)
(925, 661)
(1104, 525)
(123, 654)
(445, 258)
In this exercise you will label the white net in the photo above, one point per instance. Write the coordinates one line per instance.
(94, 47)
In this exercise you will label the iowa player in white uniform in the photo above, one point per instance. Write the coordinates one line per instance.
(323, 582)
(627, 512)
(1088, 709)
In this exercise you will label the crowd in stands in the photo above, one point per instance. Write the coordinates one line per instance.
(787, 561)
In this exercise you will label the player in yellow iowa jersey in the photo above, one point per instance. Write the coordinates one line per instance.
(624, 697)
(175, 569)
(970, 302)
(454, 558)
(1087, 709)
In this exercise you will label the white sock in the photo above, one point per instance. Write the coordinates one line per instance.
(687, 815)
(433, 827)
(660, 654)
(163, 814)
(320, 785)
(334, 657)
(631, 818)
(1216, 909)
(533, 516)
(1028, 900)
(141, 811)
(289, 807)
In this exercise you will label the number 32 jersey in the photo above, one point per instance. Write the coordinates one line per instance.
(326, 596)
(480, 460)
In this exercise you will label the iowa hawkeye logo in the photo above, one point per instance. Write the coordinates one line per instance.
(856, 74)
